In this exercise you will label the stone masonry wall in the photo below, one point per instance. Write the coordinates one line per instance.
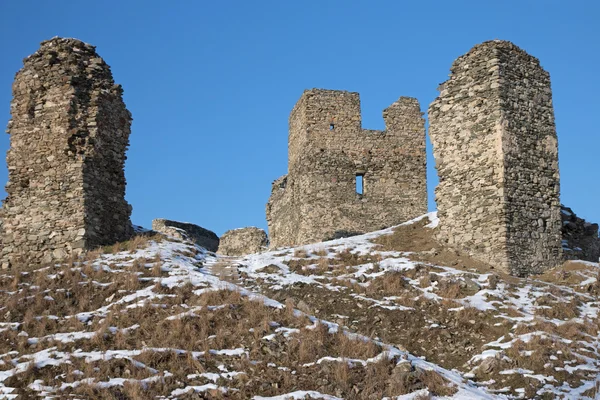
(580, 239)
(68, 136)
(328, 148)
(282, 217)
(494, 140)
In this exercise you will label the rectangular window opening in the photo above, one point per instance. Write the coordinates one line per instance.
(360, 184)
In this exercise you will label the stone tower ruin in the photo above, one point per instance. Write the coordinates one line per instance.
(343, 179)
(495, 145)
(68, 136)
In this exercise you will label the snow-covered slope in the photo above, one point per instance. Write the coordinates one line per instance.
(385, 315)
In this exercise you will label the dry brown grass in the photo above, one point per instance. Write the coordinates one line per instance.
(535, 354)
(551, 307)
(320, 252)
(323, 266)
(341, 265)
(227, 326)
(436, 384)
(220, 320)
(300, 253)
(135, 243)
(311, 344)
(225, 319)
(569, 274)
(419, 241)
(389, 284)
(298, 266)
(310, 266)
(570, 330)
(348, 258)
(450, 290)
(511, 312)
(413, 237)
(453, 288)
(593, 392)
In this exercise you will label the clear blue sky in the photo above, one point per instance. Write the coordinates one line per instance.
(211, 84)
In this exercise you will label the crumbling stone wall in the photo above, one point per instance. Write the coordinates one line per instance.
(184, 230)
(580, 238)
(495, 145)
(243, 241)
(327, 150)
(68, 136)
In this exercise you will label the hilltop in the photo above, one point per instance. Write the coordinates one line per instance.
(381, 315)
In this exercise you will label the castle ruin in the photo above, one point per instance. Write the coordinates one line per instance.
(492, 129)
(68, 136)
(495, 145)
(343, 179)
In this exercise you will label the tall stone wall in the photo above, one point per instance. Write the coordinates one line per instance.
(68, 136)
(495, 145)
(328, 149)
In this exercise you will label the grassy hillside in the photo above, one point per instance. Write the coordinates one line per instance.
(389, 314)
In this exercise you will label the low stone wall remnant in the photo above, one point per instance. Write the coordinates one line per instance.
(186, 231)
(243, 241)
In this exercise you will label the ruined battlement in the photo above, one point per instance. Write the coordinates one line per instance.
(331, 120)
(68, 135)
(343, 179)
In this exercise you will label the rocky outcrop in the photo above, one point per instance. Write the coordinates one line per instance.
(242, 241)
(68, 136)
(580, 238)
(184, 230)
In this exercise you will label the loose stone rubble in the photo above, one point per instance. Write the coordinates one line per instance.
(186, 231)
(495, 145)
(322, 196)
(68, 136)
(243, 241)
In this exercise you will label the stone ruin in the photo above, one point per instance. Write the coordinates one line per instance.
(492, 129)
(343, 179)
(495, 145)
(580, 238)
(68, 136)
(243, 241)
(496, 150)
(186, 231)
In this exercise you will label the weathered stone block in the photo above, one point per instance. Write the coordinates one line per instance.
(184, 230)
(242, 241)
